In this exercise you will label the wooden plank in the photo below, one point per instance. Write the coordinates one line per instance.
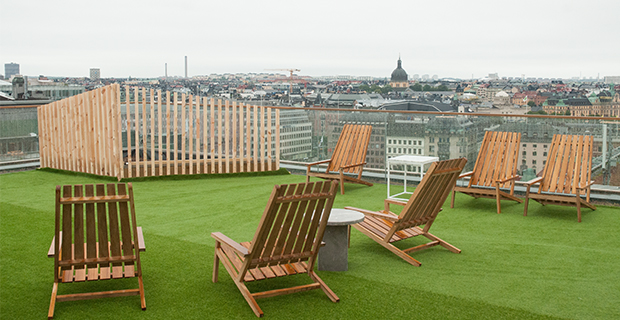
(67, 233)
(168, 135)
(277, 128)
(114, 228)
(226, 147)
(176, 132)
(212, 134)
(248, 137)
(190, 134)
(269, 141)
(256, 142)
(78, 222)
(234, 145)
(106, 129)
(205, 143)
(91, 233)
(102, 225)
(183, 133)
(143, 122)
(137, 117)
(220, 136)
(159, 132)
(152, 131)
(128, 131)
(119, 134)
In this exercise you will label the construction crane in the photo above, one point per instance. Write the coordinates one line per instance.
(290, 77)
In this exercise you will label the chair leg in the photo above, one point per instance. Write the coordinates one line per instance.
(442, 243)
(341, 182)
(142, 297)
(249, 298)
(453, 196)
(497, 197)
(330, 294)
(50, 313)
(216, 263)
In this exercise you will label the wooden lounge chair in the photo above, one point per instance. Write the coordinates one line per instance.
(95, 237)
(495, 168)
(348, 158)
(566, 177)
(286, 243)
(385, 227)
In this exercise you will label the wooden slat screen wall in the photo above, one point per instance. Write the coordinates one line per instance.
(83, 133)
(157, 134)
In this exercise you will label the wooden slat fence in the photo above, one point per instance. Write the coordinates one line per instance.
(156, 133)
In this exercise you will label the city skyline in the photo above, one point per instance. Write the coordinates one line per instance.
(537, 39)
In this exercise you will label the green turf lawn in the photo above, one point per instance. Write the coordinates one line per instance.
(545, 265)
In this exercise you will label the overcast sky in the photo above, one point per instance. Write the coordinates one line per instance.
(448, 38)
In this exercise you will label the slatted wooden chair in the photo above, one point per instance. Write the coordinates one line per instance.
(566, 177)
(95, 239)
(385, 227)
(495, 168)
(348, 158)
(286, 243)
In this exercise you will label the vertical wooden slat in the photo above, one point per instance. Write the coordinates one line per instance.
(80, 124)
(101, 147)
(204, 135)
(144, 123)
(115, 240)
(78, 242)
(152, 132)
(226, 151)
(91, 232)
(136, 133)
(212, 134)
(176, 132)
(168, 134)
(125, 223)
(106, 106)
(234, 144)
(198, 135)
(128, 131)
(269, 140)
(67, 232)
(183, 133)
(241, 138)
(220, 136)
(63, 135)
(159, 132)
(255, 142)
(190, 134)
(118, 134)
(262, 139)
(72, 138)
(248, 138)
(277, 139)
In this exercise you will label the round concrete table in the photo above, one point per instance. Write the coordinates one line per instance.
(334, 255)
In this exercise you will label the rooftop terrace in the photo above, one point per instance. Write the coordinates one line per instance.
(545, 265)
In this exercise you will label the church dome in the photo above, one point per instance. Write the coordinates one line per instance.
(399, 74)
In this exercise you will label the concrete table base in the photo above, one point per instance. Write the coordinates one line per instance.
(334, 256)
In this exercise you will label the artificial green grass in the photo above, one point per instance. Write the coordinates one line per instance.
(545, 265)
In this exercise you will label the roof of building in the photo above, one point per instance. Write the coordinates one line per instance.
(399, 74)
(411, 105)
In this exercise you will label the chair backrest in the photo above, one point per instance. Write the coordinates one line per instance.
(427, 199)
(497, 159)
(87, 219)
(292, 225)
(569, 164)
(351, 148)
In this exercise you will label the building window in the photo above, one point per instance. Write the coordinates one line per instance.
(545, 154)
(534, 145)
(534, 153)
(524, 153)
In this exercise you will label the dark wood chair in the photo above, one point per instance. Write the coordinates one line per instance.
(495, 168)
(286, 243)
(348, 159)
(96, 238)
(566, 176)
(385, 227)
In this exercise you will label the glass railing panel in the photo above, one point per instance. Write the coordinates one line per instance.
(18, 134)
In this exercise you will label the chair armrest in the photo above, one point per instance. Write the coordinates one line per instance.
(507, 179)
(353, 165)
(391, 217)
(51, 252)
(589, 184)
(219, 237)
(392, 201)
(466, 174)
(318, 162)
(141, 245)
(533, 181)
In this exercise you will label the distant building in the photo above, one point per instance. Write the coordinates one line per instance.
(399, 80)
(614, 79)
(95, 74)
(10, 69)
